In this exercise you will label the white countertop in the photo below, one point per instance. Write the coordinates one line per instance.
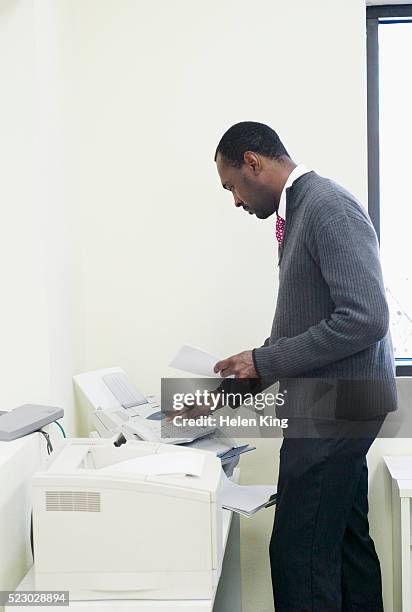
(400, 468)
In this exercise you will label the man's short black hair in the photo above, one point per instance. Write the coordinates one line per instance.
(249, 136)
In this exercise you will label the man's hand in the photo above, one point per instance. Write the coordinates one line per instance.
(240, 365)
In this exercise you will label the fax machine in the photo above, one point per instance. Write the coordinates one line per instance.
(116, 405)
(141, 521)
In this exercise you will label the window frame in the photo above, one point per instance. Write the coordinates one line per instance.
(375, 15)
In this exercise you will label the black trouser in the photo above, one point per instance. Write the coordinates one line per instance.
(322, 556)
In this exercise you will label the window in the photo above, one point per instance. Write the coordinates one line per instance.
(390, 163)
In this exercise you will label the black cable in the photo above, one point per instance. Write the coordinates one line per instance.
(49, 444)
(49, 451)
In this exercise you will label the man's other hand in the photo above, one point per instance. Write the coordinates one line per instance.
(240, 366)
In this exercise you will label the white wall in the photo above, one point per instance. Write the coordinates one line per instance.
(35, 360)
(23, 322)
(53, 231)
(35, 356)
(162, 255)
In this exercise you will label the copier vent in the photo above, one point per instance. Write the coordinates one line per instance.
(72, 501)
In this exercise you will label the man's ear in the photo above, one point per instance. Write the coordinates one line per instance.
(253, 161)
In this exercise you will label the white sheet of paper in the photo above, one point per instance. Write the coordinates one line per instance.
(161, 463)
(194, 360)
(245, 499)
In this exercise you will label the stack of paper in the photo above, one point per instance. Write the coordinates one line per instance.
(246, 499)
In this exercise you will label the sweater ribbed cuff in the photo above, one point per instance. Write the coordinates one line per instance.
(255, 363)
(264, 362)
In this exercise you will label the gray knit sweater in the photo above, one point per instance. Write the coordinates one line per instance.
(331, 319)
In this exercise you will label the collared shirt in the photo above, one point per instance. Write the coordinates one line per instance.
(299, 171)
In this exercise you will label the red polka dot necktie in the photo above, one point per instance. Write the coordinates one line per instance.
(280, 228)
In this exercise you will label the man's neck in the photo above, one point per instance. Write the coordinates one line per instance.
(285, 167)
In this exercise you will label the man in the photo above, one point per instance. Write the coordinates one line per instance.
(331, 323)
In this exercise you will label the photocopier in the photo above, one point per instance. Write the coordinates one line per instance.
(138, 521)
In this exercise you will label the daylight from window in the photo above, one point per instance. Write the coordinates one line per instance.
(395, 56)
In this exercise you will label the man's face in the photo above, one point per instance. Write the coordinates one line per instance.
(249, 186)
